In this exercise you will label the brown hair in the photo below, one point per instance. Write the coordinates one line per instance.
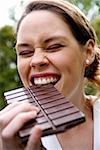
(78, 23)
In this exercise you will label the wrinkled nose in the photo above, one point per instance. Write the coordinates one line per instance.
(39, 59)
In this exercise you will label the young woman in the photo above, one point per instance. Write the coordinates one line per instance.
(55, 44)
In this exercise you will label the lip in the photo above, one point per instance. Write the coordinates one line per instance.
(43, 75)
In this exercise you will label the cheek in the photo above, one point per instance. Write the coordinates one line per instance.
(69, 63)
(23, 70)
(64, 61)
(71, 73)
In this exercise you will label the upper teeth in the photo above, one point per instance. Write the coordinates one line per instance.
(44, 80)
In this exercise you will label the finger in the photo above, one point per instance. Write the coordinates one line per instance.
(13, 144)
(34, 141)
(15, 104)
(8, 116)
(9, 107)
(16, 124)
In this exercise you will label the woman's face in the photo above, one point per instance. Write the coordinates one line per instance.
(47, 52)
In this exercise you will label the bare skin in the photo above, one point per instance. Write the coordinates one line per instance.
(15, 116)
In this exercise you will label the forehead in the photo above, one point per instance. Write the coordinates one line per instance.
(42, 23)
(42, 17)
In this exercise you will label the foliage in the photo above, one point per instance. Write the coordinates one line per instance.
(8, 73)
(91, 89)
(96, 25)
(88, 6)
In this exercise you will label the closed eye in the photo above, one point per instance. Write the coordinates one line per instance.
(26, 53)
(54, 47)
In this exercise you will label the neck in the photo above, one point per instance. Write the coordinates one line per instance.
(78, 100)
(77, 97)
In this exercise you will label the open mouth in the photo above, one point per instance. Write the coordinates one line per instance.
(41, 80)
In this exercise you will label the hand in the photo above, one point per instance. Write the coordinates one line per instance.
(12, 119)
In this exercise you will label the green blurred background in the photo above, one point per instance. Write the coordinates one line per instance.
(9, 78)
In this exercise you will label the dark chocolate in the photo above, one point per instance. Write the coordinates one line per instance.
(56, 112)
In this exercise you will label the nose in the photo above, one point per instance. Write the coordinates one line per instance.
(39, 59)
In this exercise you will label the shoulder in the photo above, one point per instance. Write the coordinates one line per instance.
(93, 101)
(96, 117)
(96, 104)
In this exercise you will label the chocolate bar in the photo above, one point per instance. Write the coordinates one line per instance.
(56, 112)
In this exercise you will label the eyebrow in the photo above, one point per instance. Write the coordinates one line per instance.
(49, 39)
(20, 45)
(55, 38)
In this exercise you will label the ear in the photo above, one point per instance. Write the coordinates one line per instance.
(89, 52)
